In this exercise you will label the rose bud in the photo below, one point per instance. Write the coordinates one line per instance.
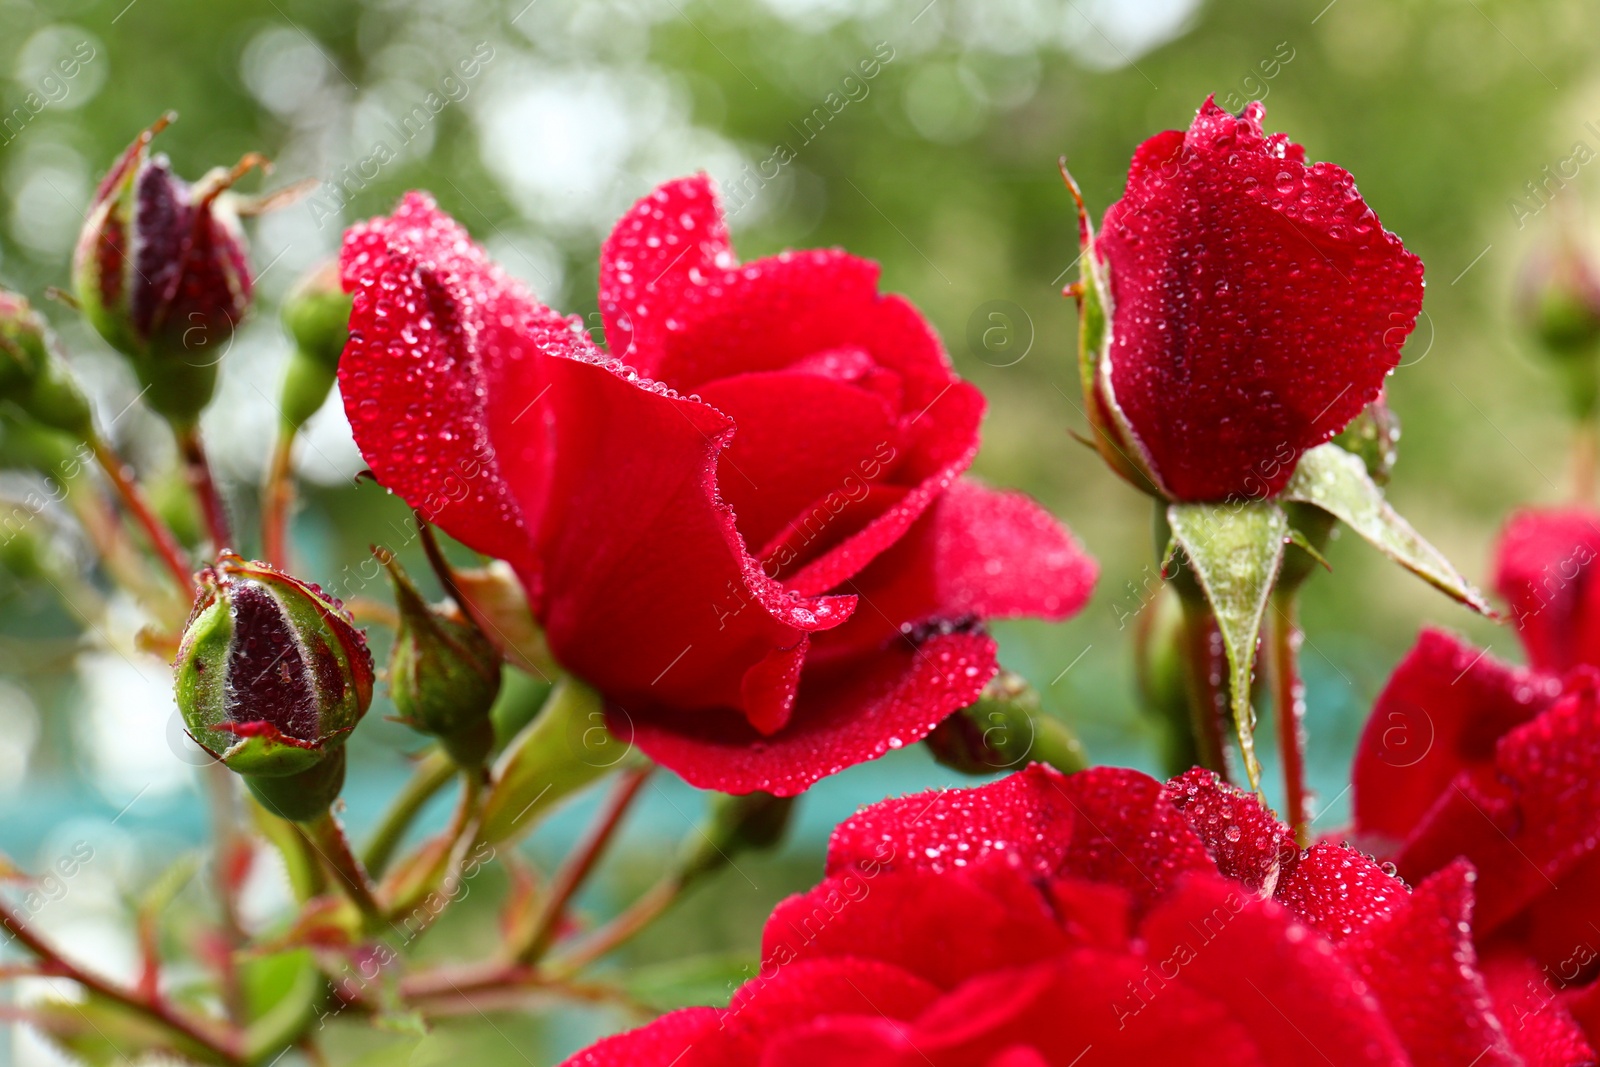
(1558, 303)
(272, 675)
(32, 375)
(316, 315)
(444, 674)
(160, 270)
(1005, 729)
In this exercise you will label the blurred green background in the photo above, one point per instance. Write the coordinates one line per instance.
(1461, 120)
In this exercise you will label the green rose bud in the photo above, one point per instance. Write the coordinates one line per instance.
(272, 675)
(316, 315)
(443, 674)
(1004, 730)
(33, 375)
(1558, 303)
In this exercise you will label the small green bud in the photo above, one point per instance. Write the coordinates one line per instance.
(1005, 729)
(33, 375)
(1558, 304)
(734, 825)
(316, 315)
(271, 677)
(443, 674)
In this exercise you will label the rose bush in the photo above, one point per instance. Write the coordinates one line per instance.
(1100, 918)
(749, 532)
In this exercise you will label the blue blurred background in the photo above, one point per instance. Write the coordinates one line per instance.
(1467, 123)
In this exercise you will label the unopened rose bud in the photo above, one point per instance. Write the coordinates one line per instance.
(33, 375)
(316, 316)
(753, 822)
(272, 676)
(1004, 730)
(160, 270)
(443, 674)
(1558, 303)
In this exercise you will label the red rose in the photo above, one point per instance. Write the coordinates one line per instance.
(1467, 756)
(753, 536)
(1046, 921)
(1257, 305)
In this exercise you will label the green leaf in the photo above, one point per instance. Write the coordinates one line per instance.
(104, 1033)
(1336, 481)
(1235, 550)
(562, 750)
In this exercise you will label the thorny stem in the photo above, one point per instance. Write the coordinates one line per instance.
(432, 773)
(277, 500)
(204, 484)
(578, 866)
(1289, 697)
(328, 838)
(221, 1044)
(161, 536)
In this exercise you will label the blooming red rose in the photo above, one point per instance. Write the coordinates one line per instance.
(752, 535)
(1468, 756)
(1102, 918)
(1256, 306)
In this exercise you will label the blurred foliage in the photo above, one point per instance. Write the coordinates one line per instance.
(1459, 121)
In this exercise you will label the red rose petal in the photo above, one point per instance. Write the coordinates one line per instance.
(1247, 841)
(942, 927)
(978, 552)
(1338, 890)
(1421, 965)
(680, 1038)
(1543, 567)
(1528, 820)
(801, 438)
(1533, 1013)
(1301, 1003)
(1441, 712)
(1245, 281)
(891, 701)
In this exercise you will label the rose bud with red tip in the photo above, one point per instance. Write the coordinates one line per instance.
(1558, 304)
(160, 270)
(272, 675)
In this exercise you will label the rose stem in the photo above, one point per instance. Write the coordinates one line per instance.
(328, 838)
(614, 934)
(1583, 461)
(441, 566)
(277, 500)
(432, 773)
(201, 480)
(230, 846)
(222, 1045)
(1289, 694)
(579, 864)
(1207, 696)
(161, 536)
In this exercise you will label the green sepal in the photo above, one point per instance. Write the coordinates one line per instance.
(563, 749)
(1337, 481)
(1235, 551)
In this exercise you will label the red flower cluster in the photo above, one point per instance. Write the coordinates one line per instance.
(1102, 918)
(1467, 756)
(1257, 305)
(749, 529)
